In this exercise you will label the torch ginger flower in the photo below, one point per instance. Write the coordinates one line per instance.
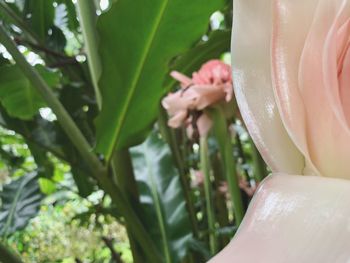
(210, 85)
(291, 70)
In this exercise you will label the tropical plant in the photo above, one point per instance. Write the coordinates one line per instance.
(81, 84)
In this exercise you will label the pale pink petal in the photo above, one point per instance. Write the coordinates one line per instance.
(178, 119)
(228, 89)
(342, 40)
(328, 139)
(203, 96)
(175, 102)
(183, 79)
(251, 57)
(204, 124)
(291, 23)
(334, 51)
(344, 86)
(294, 219)
(198, 179)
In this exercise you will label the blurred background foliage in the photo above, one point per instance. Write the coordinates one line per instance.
(108, 64)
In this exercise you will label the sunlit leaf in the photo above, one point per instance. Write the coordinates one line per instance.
(137, 41)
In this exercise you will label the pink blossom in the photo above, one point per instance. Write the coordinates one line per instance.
(210, 85)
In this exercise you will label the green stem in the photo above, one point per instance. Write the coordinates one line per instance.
(222, 215)
(46, 92)
(8, 256)
(131, 217)
(259, 166)
(170, 137)
(124, 177)
(232, 180)
(242, 156)
(226, 150)
(205, 168)
(78, 140)
(88, 18)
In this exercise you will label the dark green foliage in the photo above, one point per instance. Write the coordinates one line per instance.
(20, 201)
(17, 94)
(162, 199)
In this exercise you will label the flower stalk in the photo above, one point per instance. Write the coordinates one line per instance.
(205, 169)
(170, 137)
(226, 150)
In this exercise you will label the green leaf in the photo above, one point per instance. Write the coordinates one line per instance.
(18, 96)
(40, 16)
(43, 136)
(20, 201)
(217, 44)
(138, 39)
(164, 212)
(57, 40)
(83, 182)
(47, 186)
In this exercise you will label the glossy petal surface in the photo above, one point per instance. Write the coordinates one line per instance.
(309, 48)
(328, 138)
(288, 40)
(251, 58)
(294, 219)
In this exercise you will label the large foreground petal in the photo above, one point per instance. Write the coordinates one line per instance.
(288, 39)
(328, 138)
(294, 219)
(251, 57)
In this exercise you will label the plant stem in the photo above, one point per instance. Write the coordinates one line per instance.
(78, 140)
(232, 179)
(124, 177)
(222, 216)
(8, 256)
(226, 150)
(242, 156)
(88, 18)
(46, 92)
(137, 229)
(205, 168)
(170, 138)
(259, 166)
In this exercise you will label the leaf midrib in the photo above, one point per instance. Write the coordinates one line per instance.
(13, 207)
(158, 208)
(138, 74)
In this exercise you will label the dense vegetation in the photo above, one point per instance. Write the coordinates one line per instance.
(90, 171)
